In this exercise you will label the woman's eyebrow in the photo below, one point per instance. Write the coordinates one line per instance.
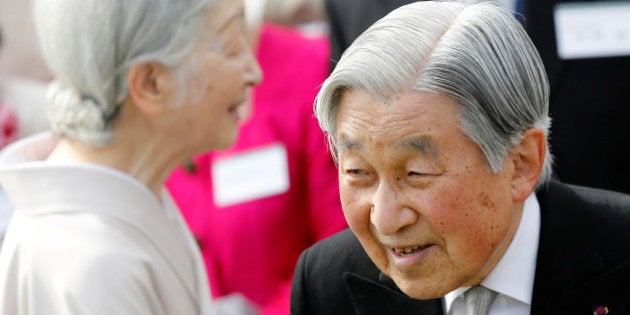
(236, 15)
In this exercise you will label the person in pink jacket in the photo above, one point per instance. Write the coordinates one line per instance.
(257, 206)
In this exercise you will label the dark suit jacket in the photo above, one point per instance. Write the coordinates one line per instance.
(583, 262)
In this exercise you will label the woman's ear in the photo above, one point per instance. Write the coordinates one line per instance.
(528, 157)
(150, 87)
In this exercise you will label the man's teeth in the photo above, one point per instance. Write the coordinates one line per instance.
(406, 250)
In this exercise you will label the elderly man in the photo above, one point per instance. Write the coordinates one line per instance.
(438, 118)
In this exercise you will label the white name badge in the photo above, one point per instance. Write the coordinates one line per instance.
(592, 29)
(250, 175)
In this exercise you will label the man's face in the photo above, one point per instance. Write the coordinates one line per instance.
(442, 219)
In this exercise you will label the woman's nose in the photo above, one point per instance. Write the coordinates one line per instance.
(253, 72)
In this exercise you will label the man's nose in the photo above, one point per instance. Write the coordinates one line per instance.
(390, 213)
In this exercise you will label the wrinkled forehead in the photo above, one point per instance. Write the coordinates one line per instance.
(402, 120)
(219, 21)
(224, 12)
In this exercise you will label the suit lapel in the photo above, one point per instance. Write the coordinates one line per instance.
(615, 296)
(370, 297)
(569, 267)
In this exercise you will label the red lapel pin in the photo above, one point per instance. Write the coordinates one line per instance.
(600, 310)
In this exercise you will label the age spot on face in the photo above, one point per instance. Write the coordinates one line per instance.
(485, 200)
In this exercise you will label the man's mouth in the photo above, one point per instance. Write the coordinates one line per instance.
(405, 251)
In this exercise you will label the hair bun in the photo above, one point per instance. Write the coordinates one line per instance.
(75, 115)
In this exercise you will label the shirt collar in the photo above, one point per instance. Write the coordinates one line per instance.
(514, 273)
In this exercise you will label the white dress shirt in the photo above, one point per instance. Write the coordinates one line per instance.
(513, 276)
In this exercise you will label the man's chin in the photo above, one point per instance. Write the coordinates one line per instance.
(415, 290)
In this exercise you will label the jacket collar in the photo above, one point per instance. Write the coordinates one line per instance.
(383, 297)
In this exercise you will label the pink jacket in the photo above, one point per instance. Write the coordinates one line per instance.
(251, 245)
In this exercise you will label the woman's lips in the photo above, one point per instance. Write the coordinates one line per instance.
(236, 110)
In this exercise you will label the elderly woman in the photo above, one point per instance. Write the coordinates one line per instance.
(140, 85)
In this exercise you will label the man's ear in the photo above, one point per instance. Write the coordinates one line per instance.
(150, 87)
(528, 157)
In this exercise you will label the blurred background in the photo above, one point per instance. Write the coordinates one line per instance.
(23, 74)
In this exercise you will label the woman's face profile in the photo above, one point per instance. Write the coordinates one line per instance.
(225, 70)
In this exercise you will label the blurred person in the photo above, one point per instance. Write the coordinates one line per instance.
(438, 118)
(8, 134)
(255, 207)
(307, 16)
(589, 100)
(21, 57)
(294, 12)
(347, 19)
(139, 86)
(8, 121)
(24, 76)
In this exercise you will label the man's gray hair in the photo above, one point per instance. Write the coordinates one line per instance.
(479, 55)
(89, 45)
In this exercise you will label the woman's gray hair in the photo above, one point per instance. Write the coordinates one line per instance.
(479, 55)
(89, 45)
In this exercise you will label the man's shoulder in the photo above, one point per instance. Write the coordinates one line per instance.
(319, 285)
(584, 250)
(340, 251)
(591, 203)
(598, 216)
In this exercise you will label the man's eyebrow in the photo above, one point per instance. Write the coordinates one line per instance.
(422, 144)
(346, 144)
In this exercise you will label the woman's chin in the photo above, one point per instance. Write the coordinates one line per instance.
(226, 140)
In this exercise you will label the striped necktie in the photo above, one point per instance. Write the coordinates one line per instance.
(478, 300)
